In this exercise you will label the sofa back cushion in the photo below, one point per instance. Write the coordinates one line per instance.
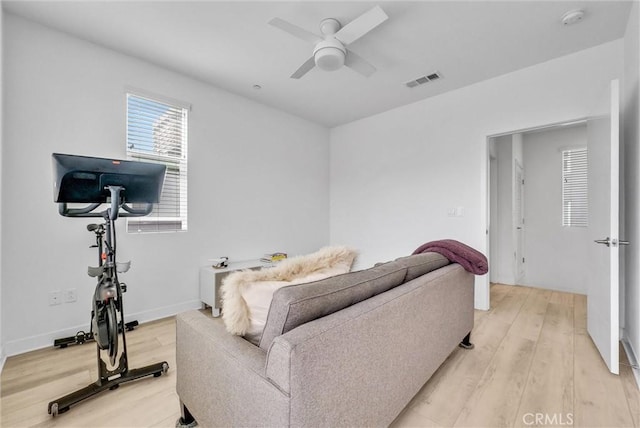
(420, 264)
(295, 305)
(246, 295)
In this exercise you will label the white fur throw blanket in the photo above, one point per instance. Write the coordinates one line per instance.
(246, 295)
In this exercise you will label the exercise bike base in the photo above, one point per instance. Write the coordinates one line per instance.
(62, 404)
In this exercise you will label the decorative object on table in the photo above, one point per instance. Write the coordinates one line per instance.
(469, 258)
(246, 295)
(220, 262)
(273, 257)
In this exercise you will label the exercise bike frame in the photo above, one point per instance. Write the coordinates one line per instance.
(108, 377)
(107, 298)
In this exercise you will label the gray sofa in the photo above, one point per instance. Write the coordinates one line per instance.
(350, 350)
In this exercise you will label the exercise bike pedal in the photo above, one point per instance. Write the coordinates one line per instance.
(82, 337)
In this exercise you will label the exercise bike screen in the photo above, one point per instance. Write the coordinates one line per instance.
(84, 179)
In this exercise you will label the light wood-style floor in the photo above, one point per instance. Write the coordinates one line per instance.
(532, 356)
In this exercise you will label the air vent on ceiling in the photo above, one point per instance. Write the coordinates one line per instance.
(423, 79)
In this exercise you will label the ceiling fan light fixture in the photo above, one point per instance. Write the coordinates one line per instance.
(329, 54)
(329, 58)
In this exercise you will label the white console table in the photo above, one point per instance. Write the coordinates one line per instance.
(211, 280)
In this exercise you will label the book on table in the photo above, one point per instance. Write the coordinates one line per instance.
(273, 257)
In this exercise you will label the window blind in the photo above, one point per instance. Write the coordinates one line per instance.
(157, 133)
(575, 205)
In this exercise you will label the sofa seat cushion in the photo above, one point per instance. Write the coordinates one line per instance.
(292, 306)
(246, 295)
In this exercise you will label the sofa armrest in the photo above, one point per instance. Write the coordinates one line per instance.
(220, 377)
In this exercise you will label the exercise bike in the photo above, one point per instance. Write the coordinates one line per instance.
(81, 179)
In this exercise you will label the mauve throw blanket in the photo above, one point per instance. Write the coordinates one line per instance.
(457, 252)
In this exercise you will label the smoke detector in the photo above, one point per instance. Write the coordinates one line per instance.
(573, 17)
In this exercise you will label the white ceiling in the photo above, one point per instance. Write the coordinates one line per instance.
(230, 45)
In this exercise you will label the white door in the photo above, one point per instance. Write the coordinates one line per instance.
(603, 182)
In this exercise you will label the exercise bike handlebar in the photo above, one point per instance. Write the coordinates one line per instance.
(88, 211)
(113, 212)
(136, 212)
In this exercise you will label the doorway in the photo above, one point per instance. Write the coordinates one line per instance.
(529, 244)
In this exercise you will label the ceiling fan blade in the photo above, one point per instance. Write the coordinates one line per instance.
(296, 31)
(304, 68)
(357, 63)
(361, 25)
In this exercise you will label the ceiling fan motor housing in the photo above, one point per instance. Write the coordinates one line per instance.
(329, 54)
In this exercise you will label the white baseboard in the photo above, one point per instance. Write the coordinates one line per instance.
(45, 340)
(633, 360)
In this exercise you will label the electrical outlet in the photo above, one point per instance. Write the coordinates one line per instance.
(55, 297)
(70, 295)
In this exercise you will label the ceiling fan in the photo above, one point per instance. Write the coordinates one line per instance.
(330, 52)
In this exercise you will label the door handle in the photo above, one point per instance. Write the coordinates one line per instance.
(616, 243)
(608, 242)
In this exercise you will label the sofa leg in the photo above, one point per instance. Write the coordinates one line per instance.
(186, 419)
(466, 342)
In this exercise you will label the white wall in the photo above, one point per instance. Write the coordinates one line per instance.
(518, 149)
(395, 174)
(502, 266)
(631, 139)
(494, 251)
(2, 355)
(509, 149)
(556, 256)
(258, 182)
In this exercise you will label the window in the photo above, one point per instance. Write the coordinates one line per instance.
(575, 209)
(157, 133)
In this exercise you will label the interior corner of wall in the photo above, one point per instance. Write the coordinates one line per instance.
(632, 356)
(3, 359)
